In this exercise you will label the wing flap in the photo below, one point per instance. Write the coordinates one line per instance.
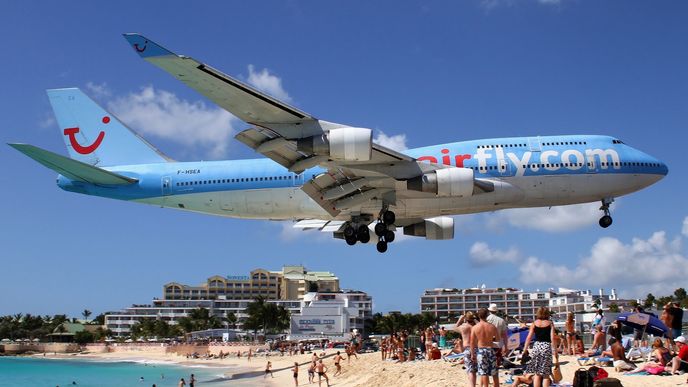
(73, 169)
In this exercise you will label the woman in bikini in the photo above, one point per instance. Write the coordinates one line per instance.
(570, 335)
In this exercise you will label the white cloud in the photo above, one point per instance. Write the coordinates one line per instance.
(684, 231)
(163, 114)
(482, 255)
(656, 263)
(98, 90)
(554, 219)
(268, 83)
(48, 121)
(396, 142)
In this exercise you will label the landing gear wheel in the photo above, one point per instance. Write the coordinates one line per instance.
(380, 229)
(381, 246)
(389, 236)
(350, 232)
(363, 234)
(605, 221)
(388, 217)
(350, 240)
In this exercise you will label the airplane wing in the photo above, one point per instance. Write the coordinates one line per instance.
(358, 170)
(240, 99)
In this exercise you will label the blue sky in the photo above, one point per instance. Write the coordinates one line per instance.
(420, 72)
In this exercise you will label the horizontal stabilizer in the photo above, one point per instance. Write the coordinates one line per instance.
(73, 169)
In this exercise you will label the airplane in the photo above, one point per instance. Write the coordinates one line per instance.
(328, 176)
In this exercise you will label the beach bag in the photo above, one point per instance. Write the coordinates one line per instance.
(582, 378)
(556, 374)
(608, 382)
(598, 374)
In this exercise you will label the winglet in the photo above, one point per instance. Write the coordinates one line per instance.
(146, 47)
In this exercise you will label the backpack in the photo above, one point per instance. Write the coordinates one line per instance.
(608, 382)
(582, 378)
(597, 373)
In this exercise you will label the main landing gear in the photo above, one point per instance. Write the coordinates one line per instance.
(359, 232)
(384, 234)
(606, 220)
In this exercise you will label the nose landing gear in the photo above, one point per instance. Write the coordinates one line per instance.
(606, 220)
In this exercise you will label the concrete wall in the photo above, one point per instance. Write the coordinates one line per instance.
(16, 349)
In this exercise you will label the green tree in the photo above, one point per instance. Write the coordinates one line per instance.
(680, 294)
(614, 307)
(230, 319)
(83, 337)
(649, 301)
(99, 319)
(86, 313)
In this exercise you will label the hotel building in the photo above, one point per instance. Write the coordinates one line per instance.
(233, 294)
(447, 304)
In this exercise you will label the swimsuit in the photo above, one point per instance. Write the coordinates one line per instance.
(487, 362)
(468, 362)
(296, 375)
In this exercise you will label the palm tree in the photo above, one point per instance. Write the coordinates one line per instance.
(86, 313)
(230, 319)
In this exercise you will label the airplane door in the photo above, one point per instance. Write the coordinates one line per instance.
(166, 186)
(298, 180)
(591, 166)
(534, 144)
(503, 167)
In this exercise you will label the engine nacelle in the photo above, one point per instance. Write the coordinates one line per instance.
(341, 144)
(439, 228)
(444, 182)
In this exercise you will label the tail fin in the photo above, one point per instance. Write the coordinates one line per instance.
(96, 137)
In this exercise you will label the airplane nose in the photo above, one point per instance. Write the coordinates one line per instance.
(664, 169)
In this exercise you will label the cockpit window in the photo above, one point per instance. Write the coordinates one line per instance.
(615, 141)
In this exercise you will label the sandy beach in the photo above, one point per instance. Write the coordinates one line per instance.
(367, 370)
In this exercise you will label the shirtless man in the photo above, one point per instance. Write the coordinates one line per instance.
(621, 363)
(597, 343)
(483, 335)
(465, 347)
(322, 373)
(337, 360)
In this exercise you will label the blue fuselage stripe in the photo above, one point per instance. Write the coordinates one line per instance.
(503, 157)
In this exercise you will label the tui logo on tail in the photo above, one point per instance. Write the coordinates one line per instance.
(84, 150)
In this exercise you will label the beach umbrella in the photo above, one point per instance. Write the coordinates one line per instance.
(643, 321)
(516, 338)
(5, 340)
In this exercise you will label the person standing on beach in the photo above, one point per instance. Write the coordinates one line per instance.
(249, 355)
(666, 318)
(337, 361)
(482, 352)
(429, 334)
(311, 372)
(541, 334)
(295, 370)
(502, 329)
(570, 334)
(322, 372)
(192, 380)
(443, 337)
(465, 329)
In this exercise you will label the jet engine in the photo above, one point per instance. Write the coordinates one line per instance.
(444, 182)
(439, 228)
(341, 144)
